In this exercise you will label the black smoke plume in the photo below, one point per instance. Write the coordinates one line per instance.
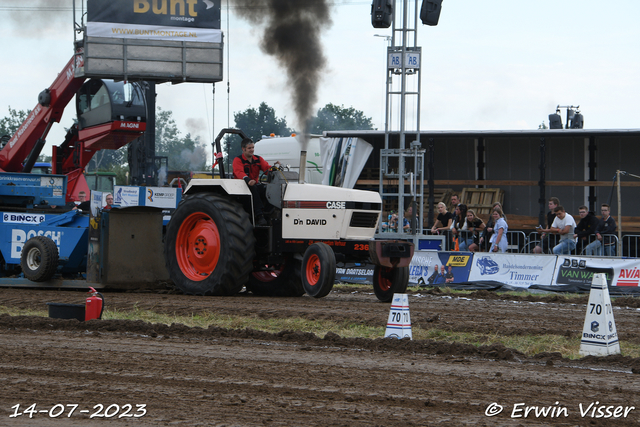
(292, 30)
(38, 15)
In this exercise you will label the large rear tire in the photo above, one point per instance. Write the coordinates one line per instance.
(209, 246)
(39, 259)
(388, 281)
(318, 270)
(282, 280)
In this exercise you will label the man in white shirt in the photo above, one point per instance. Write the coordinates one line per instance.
(564, 225)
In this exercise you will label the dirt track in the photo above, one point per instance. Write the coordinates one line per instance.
(190, 376)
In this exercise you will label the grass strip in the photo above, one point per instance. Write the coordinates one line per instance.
(527, 344)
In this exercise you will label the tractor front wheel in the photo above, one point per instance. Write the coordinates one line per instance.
(318, 270)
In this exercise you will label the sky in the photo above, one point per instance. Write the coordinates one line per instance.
(487, 65)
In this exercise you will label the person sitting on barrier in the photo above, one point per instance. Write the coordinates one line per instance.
(585, 228)
(475, 225)
(564, 225)
(485, 236)
(546, 236)
(248, 166)
(499, 238)
(443, 221)
(607, 225)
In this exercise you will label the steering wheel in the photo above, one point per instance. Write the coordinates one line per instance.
(265, 176)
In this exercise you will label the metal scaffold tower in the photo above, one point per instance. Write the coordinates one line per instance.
(402, 161)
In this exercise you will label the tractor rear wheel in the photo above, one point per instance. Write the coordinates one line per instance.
(388, 281)
(281, 280)
(318, 270)
(39, 259)
(209, 245)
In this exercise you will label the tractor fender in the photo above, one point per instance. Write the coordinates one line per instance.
(232, 187)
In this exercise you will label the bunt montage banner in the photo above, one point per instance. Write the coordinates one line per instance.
(176, 20)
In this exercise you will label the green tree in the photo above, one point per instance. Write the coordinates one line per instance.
(107, 160)
(542, 125)
(333, 117)
(122, 174)
(255, 123)
(184, 154)
(261, 121)
(10, 124)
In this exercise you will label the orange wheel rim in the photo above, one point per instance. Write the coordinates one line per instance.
(313, 270)
(383, 279)
(198, 246)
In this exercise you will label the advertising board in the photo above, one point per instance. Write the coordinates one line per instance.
(179, 20)
(580, 271)
(513, 269)
(155, 40)
(439, 268)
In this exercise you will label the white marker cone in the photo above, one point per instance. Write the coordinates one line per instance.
(599, 334)
(399, 323)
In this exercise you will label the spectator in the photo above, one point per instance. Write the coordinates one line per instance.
(564, 225)
(408, 213)
(585, 228)
(475, 226)
(545, 236)
(499, 237)
(82, 196)
(448, 278)
(606, 226)
(459, 225)
(393, 222)
(455, 201)
(109, 199)
(83, 204)
(443, 222)
(488, 229)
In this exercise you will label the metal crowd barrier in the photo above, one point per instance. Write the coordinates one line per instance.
(519, 242)
(630, 245)
(550, 240)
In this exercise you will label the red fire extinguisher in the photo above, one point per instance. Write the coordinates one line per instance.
(94, 305)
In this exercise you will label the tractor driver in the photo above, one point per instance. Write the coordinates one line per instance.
(247, 166)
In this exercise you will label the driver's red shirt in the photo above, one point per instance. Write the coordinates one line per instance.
(242, 167)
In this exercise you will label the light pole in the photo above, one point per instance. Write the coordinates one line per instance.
(387, 78)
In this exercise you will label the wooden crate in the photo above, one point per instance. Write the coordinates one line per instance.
(481, 200)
